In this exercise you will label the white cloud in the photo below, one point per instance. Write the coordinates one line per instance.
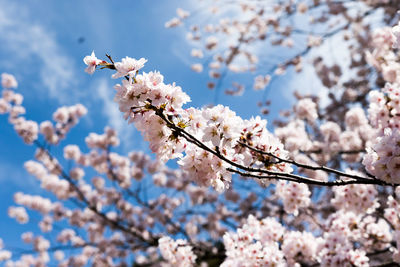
(25, 43)
(126, 132)
(110, 109)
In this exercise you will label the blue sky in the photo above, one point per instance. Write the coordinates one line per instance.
(39, 45)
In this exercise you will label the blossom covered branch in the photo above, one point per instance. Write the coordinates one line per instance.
(227, 141)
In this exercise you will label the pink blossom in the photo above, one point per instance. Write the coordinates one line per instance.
(91, 61)
(356, 198)
(211, 42)
(28, 130)
(5, 255)
(4, 106)
(306, 109)
(19, 213)
(197, 67)
(293, 195)
(72, 152)
(261, 82)
(183, 14)
(197, 53)
(128, 67)
(8, 81)
(177, 253)
(174, 22)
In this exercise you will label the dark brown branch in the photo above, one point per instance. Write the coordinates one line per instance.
(309, 167)
(305, 180)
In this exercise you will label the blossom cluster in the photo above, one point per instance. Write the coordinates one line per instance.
(382, 57)
(360, 199)
(177, 253)
(255, 244)
(383, 157)
(336, 248)
(10, 102)
(4, 254)
(261, 82)
(65, 118)
(293, 195)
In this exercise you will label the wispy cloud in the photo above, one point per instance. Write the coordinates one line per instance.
(31, 44)
(110, 109)
(127, 133)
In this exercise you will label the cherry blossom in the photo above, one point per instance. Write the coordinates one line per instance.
(91, 61)
(8, 81)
